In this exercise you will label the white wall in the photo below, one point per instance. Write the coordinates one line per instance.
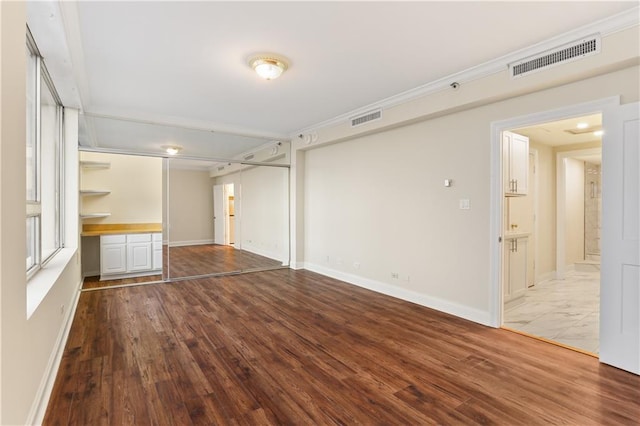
(574, 211)
(261, 198)
(190, 207)
(378, 201)
(28, 347)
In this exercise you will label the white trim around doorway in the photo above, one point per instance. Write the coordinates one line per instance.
(496, 190)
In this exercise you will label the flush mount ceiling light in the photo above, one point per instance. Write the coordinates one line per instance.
(582, 125)
(598, 133)
(172, 149)
(268, 66)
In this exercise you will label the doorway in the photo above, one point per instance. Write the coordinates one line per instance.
(560, 213)
(224, 218)
(498, 246)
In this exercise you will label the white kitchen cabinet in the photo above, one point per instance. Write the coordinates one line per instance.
(129, 255)
(515, 267)
(139, 252)
(515, 163)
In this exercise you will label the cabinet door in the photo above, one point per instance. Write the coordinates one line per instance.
(157, 258)
(518, 268)
(138, 257)
(113, 258)
(516, 163)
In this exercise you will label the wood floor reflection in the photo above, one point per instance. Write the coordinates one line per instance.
(190, 261)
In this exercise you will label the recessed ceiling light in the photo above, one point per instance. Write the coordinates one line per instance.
(268, 66)
(172, 149)
(598, 133)
(582, 125)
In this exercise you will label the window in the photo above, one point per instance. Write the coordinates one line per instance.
(44, 163)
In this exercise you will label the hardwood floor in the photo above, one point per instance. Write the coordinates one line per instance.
(294, 347)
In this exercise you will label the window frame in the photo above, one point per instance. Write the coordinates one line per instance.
(34, 206)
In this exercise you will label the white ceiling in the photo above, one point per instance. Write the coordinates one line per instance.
(564, 132)
(185, 62)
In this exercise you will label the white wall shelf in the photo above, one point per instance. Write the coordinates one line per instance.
(93, 215)
(93, 192)
(95, 164)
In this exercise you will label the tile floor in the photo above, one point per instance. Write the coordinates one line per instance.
(566, 311)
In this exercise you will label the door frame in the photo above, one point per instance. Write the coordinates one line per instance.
(496, 226)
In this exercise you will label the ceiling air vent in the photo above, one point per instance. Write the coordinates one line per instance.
(560, 55)
(221, 168)
(366, 117)
(248, 157)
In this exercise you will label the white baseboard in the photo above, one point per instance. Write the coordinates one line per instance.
(39, 407)
(296, 265)
(471, 314)
(189, 243)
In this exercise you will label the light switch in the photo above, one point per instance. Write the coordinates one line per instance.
(448, 182)
(464, 204)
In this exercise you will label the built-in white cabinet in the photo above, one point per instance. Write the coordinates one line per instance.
(113, 254)
(515, 267)
(129, 255)
(515, 163)
(139, 252)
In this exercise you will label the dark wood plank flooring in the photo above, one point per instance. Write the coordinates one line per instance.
(294, 347)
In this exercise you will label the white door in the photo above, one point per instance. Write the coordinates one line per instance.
(620, 280)
(218, 214)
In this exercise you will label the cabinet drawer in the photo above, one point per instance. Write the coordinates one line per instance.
(139, 238)
(113, 239)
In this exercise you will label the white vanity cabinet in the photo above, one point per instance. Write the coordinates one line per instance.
(515, 267)
(515, 163)
(129, 255)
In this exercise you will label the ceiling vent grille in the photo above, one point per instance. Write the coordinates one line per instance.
(221, 168)
(366, 118)
(249, 157)
(560, 55)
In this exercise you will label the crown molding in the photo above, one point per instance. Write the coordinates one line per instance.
(604, 27)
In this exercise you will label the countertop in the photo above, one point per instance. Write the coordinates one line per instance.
(95, 230)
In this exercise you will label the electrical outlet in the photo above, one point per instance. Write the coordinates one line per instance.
(394, 275)
(464, 204)
(328, 259)
(61, 309)
(356, 265)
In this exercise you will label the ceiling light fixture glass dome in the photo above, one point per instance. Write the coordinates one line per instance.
(268, 67)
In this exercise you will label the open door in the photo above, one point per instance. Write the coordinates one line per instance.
(620, 279)
(218, 215)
